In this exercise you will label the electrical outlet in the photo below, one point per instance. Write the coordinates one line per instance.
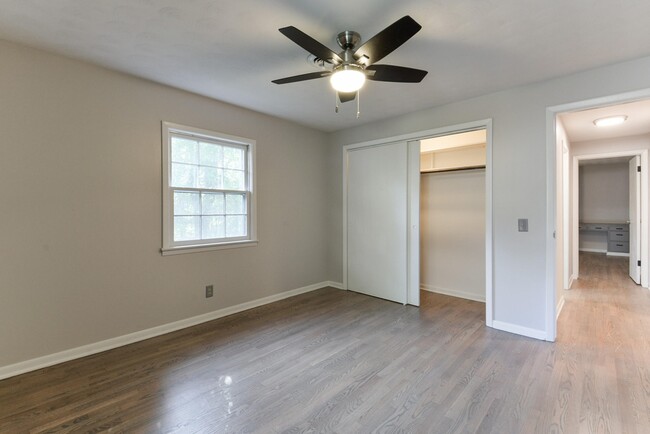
(209, 291)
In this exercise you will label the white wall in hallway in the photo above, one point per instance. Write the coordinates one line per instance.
(604, 192)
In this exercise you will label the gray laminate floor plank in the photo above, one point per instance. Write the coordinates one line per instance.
(335, 361)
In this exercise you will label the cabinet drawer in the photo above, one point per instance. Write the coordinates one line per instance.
(618, 246)
(597, 227)
(618, 228)
(619, 236)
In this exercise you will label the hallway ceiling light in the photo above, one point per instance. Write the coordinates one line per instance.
(610, 121)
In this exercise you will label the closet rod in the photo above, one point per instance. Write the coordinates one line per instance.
(453, 169)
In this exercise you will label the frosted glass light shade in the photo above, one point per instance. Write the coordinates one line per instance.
(610, 121)
(347, 80)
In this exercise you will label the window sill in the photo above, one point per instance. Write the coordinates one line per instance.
(206, 247)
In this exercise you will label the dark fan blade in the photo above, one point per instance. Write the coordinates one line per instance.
(347, 96)
(310, 44)
(384, 42)
(302, 77)
(399, 74)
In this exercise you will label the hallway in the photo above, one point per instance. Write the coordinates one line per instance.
(604, 341)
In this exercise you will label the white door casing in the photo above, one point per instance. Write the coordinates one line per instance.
(635, 219)
(566, 224)
(413, 296)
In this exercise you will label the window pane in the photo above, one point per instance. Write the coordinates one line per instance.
(185, 150)
(207, 187)
(235, 226)
(233, 158)
(212, 203)
(235, 204)
(210, 155)
(213, 227)
(186, 203)
(210, 177)
(184, 175)
(187, 228)
(233, 180)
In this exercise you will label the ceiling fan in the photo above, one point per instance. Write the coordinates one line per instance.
(351, 67)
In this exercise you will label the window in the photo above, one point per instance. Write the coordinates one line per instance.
(208, 200)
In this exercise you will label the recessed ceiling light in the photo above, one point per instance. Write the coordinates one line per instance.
(610, 121)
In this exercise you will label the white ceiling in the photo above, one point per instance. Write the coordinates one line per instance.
(231, 50)
(580, 126)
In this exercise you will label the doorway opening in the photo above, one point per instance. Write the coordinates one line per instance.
(598, 185)
(607, 195)
(452, 214)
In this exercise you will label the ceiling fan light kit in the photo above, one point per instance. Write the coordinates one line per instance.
(354, 65)
(347, 78)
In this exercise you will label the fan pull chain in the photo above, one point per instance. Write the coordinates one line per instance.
(358, 103)
(336, 102)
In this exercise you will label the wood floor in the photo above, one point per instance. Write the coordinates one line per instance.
(335, 361)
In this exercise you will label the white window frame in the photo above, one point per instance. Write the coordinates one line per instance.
(169, 247)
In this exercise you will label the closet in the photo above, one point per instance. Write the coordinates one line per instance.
(452, 215)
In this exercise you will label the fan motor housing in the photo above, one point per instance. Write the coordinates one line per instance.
(348, 39)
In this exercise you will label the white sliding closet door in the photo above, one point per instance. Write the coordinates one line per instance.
(377, 213)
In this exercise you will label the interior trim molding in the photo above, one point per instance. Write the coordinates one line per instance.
(560, 305)
(519, 330)
(119, 341)
(572, 279)
(452, 292)
(337, 285)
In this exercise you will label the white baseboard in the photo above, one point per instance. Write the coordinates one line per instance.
(559, 307)
(108, 344)
(604, 251)
(571, 280)
(337, 285)
(452, 292)
(519, 330)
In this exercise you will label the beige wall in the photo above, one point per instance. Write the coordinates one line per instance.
(80, 183)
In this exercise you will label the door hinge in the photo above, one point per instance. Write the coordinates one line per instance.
(638, 263)
(638, 168)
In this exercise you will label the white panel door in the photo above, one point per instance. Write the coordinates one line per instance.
(635, 219)
(377, 221)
